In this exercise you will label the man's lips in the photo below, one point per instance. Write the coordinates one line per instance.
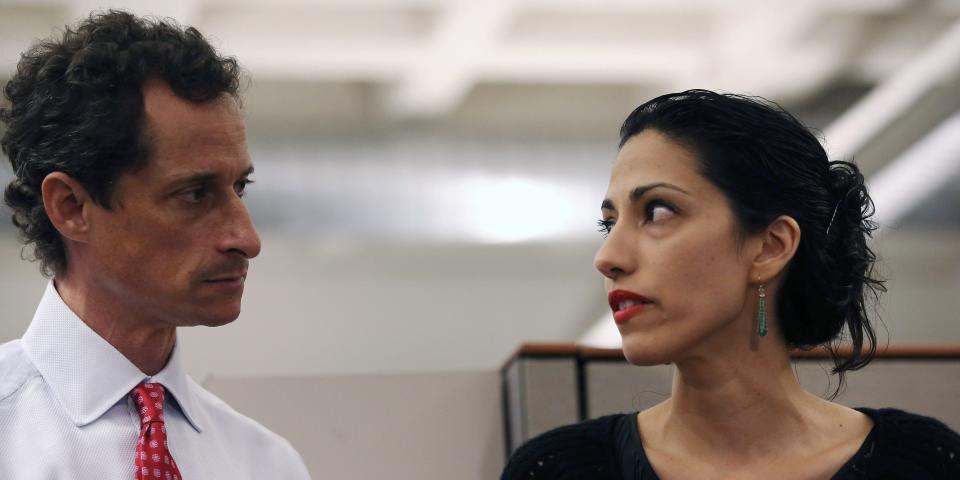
(625, 304)
(229, 277)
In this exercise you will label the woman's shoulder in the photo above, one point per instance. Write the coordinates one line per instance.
(902, 423)
(908, 442)
(580, 450)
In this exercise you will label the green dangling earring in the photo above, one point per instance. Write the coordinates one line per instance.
(762, 313)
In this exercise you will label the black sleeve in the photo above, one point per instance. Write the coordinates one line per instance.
(915, 446)
(580, 451)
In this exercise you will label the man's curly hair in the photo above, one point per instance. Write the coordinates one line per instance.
(76, 106)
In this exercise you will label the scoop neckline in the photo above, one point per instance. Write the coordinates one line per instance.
(641, 465)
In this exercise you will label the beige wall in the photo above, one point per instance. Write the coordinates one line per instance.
(398, 427)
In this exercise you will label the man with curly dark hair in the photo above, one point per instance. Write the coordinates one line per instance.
(130, 163)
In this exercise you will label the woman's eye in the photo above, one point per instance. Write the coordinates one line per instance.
(657, 210)
(604, 226)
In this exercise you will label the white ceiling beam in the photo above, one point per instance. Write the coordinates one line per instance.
(560, 64)
(756, 52)
(445, 71)
(329, 63)
(849, 133)
(922, 170)
(627, 64)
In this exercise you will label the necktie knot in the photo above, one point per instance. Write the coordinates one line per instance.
(149, 400)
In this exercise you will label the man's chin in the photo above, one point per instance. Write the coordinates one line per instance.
(219, 322)
(214, 318)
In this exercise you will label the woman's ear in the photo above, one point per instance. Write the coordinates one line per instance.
(778, 245)
(67, 205)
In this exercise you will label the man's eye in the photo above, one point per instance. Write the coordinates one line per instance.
(241, 187)
(195, 195)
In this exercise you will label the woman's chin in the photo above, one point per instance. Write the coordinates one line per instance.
(645, 355)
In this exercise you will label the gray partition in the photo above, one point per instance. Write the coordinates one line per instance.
(399, 427)
(539, 394)
(925, 386)
(927, 383)
(616, 386)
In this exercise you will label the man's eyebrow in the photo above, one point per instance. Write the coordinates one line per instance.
(638, 192)
(205, 177)
(199, 177)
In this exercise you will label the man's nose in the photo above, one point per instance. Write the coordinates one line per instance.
(240, 235)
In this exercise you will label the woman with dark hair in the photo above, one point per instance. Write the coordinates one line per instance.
(731, 239)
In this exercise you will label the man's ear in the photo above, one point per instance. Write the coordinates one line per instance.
(778, 245)
(67, 205)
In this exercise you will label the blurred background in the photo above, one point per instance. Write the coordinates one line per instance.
(429, 172)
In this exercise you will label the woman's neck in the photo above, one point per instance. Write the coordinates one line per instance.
(739, 403)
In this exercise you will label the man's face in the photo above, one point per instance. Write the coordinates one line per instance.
(174, 246)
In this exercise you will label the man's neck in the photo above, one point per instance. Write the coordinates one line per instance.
(146, 345)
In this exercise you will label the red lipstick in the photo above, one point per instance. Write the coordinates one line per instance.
(626, 304)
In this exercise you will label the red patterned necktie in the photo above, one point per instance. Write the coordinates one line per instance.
(153, 459)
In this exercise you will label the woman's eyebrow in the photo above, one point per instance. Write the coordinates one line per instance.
(637, 193)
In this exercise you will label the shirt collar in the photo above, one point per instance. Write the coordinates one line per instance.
(85, 372)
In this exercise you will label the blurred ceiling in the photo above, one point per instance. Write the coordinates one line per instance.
(423, 58)
(452, 120)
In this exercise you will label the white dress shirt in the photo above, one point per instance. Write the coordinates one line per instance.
(66, 413)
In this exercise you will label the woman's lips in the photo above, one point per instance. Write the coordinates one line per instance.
(626, 304)
(621, 316)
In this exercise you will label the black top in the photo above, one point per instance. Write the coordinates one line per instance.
(901, 445)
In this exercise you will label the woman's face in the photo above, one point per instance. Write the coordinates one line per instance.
(678, 285)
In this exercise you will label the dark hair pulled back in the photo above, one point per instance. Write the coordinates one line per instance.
(75, 106)
(768, 164)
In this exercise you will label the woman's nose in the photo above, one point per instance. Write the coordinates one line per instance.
(613, 259)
